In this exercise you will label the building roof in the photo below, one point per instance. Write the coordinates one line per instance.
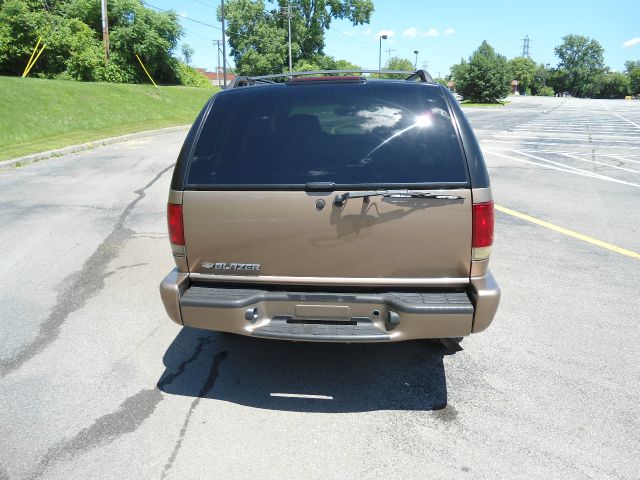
(214, 76)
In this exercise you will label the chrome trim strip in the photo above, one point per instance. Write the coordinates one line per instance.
(337, 281)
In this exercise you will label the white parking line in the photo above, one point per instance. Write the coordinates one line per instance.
(568, 155)
(620, 116)
(561, 167)
(301, 395)
(516, 135)
(569, 167)
(581, 125)
(542, 142)
(566, 130)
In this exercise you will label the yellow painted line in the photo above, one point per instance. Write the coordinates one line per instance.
(566, 231)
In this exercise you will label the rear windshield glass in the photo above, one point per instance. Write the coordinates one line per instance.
(348, 134)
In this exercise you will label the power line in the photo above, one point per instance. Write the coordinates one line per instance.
(203, 3)
(349, 38)
(180, 16)
(193, 32)
(389, 50)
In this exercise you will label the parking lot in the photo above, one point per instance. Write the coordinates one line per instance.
(96, 382)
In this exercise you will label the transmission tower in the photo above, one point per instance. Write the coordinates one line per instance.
(525, 46)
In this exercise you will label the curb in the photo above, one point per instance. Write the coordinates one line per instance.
(36, 157)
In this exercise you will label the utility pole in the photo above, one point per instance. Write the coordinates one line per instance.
(389, 50)
(224, 47)
(287, 10)
(415, 65)
(217, 44)
(525, 46)
(105, 30)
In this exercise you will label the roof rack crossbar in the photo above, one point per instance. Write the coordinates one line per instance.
(243, 81)
(423, 75)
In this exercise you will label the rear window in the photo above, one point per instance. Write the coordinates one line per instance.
(375, 133)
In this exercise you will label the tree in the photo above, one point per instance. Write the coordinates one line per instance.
(633, 72)
(540, 81)
(557, 79)
(187, 53)
(523, 70)
(397, 63)
(71, 49)
(72, 32)
(581, 63)
(257, 45)
(485, 78)
(258, 36)
(323, 62)
(614, 85)
(133, 29)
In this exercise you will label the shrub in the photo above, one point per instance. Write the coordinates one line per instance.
(546, 92)
(191, 77)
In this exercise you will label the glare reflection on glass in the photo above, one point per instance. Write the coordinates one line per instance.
(423, 121)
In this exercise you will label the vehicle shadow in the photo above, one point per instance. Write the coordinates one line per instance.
(305, 377)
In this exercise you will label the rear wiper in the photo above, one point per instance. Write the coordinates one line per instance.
(341, 199)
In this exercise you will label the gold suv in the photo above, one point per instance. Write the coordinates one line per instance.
(332, 208)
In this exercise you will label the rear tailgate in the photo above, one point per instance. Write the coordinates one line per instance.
(287, 235)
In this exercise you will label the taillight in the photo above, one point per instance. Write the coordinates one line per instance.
(176, 227)
(482, 230)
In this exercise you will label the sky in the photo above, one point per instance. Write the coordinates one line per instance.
(444, 32)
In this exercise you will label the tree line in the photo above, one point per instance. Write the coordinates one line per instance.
(71, 31)
(486, 76)
(258, 36)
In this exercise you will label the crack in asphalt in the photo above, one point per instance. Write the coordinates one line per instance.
(206, 388)
(132, 412)
(80, 286)
(129, 416)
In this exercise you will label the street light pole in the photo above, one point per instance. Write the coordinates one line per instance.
(224, 48)
(382, 37)
(415, 65)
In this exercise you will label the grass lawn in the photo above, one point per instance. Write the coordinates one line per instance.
(38, 115)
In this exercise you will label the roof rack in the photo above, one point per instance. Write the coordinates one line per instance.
(244, 81)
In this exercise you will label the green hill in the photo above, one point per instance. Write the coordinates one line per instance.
(38, 115)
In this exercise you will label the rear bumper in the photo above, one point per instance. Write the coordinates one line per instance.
(332, 316)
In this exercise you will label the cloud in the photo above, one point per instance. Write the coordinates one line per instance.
(388, 33)
(449, 31)
(348, 33)
(632, 42)
(432, 32)
(410, 32)
(183, 14)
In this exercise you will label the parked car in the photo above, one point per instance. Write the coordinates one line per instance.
(332, 208)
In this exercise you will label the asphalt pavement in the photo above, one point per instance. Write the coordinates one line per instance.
(97, 382)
